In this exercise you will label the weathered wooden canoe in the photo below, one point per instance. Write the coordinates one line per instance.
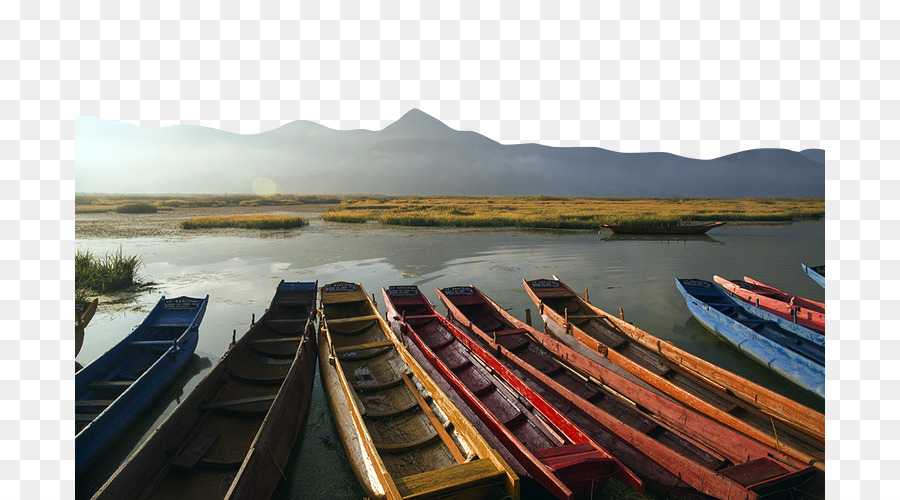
(549, 447)
(745, 406)
(84, 311)
(797, 358)
(232, 435)
(403, 436)
(117, 387)
(804, 312)
(663, 229)
(817, 273)
(709, 457)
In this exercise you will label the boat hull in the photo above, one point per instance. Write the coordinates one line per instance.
(232, 435)
(805, 313)
(817, 273)
(663, 229)
(113, 390)
(797, 368)
(703, 453)
(638, 356)
(402, 435)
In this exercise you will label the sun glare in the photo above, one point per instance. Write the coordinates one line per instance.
(263, 186)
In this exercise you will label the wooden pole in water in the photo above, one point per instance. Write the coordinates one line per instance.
(586, 299)
(528, 317)
(621, 314)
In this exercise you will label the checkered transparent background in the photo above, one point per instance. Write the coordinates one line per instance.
(694, 78)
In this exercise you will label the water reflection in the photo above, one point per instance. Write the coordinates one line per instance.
(682, 238)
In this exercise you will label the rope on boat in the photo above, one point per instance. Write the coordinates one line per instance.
(777, 444)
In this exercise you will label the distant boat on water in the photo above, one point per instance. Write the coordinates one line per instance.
(662, 228)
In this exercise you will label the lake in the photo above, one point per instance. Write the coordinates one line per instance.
(239, 269)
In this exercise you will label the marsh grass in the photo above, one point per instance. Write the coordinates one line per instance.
(569, 213)
(109, 203)
(110, 273)
(137, 208)
(262, 221)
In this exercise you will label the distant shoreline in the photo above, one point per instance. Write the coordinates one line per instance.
(534, 212)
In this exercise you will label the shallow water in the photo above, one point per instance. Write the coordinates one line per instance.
(240, 269)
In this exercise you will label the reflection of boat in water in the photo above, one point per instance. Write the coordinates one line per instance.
(662, 228)
(680, 238)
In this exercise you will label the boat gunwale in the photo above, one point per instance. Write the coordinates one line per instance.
(732, 386)
(133, 472)
(466, 433)
(539, 471)
(709, 481)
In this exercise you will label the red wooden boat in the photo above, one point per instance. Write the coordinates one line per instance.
(804, 312)
(544, 443)
(745, 406)
(710, 457)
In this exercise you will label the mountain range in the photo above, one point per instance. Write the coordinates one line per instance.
(416, 155)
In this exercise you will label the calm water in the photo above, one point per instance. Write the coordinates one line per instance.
(239, 271)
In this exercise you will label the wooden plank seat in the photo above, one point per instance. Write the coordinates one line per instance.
(93, 403)
(377, 387)
(261, 381)
(434, 484)
(110, 384)
(215, 405)
(393, 412)
(362, 347)
(409, 446)
(284, 340)
(503, 333)
(187, 459)
(420, 316)
(340, 321)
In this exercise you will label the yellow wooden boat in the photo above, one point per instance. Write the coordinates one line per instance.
(402, 435)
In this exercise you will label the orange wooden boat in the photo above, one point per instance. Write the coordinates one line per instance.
(747, 407)
(804, 312)
(710, 457)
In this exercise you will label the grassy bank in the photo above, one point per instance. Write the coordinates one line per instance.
(568, 213)
(110, 273)
(263, 221)
(111, 203)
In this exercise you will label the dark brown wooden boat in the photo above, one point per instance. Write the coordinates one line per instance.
(747, 407)
(711, 458)
(403, 437)
(544, 443)
(662, 229)
(232, 435)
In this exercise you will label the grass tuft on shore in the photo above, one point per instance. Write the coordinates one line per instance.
(110, 273)
(262, 221)
(137, 208)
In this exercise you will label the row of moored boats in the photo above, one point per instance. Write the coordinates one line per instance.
(473, 403)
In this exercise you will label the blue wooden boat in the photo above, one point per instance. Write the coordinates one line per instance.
(817, 273)
(792, 356)
(118, 386)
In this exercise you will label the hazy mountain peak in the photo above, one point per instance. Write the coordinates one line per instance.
(418, 123)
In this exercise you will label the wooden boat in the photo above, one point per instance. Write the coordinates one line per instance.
(403, 437)
(745, 406)
(232, 435)
(696, 451)
(84, 311)
(798, 359)
(804, 312)
(115, 388)
(817, 273)
(548, 446)
(662, 229)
